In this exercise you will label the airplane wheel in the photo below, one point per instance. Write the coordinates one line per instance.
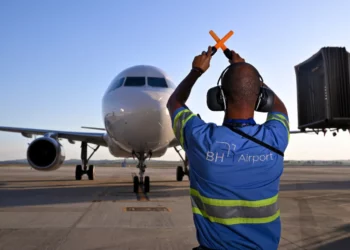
(78, 172)
(91, 172)
(136, 184)
(146, 184)
(179, 173)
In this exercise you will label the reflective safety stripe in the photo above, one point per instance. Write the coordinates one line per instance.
(231, 212)
(280, 118)
(227, 212)
(179, 123)
(235, 221)
(245, 203)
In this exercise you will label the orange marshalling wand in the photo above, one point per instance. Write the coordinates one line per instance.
(220, 43)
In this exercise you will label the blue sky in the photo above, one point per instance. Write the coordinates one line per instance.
(58, 57)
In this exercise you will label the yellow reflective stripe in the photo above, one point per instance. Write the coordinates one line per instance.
(175, 125)
(182, 127)
(186, 120)
(179, 123)
(217, 202)
(229, 212)
(280, 118)
(233, 221)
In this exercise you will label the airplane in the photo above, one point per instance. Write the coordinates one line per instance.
(137, 124)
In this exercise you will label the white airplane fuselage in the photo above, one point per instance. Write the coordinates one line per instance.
(137, 124)
(135, 114)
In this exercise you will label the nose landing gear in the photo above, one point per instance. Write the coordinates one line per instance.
(141, 181)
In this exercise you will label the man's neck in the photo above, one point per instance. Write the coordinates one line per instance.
(241, 114)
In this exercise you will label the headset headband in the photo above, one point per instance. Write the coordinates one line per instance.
(234, 64)
(216, 100)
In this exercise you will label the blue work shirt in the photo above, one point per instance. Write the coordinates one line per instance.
(234, 181)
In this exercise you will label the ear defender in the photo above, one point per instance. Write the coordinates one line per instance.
(265, 100)
(216, 100)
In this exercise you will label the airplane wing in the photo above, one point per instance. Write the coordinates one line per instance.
(95, 138)
(94, 128)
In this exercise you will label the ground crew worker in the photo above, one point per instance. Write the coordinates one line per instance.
(234, 182)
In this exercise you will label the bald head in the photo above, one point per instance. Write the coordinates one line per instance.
(241, 85)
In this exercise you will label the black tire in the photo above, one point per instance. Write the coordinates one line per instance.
(146, 185)
(136, 184)
(78, 172)
(179, 173)
(91, 172)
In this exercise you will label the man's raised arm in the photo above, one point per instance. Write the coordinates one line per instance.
(278, 123)
(182, 118)
(179, 97)
(278, 105)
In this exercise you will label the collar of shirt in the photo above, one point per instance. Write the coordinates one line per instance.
(239, 122)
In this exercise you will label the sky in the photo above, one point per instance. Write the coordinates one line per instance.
(58, 57)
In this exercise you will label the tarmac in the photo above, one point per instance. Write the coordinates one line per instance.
(50, 210)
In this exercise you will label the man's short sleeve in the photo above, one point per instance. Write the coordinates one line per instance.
(278, 126)
(183, 122)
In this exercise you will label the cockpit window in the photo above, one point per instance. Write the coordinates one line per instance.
(157, 82)
(116, 84)
(135, 81)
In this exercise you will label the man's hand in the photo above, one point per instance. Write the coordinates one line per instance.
(236, 58)
(202, 61)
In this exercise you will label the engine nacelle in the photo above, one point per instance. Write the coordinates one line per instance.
(45, 154)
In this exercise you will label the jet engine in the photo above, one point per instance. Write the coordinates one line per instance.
(45, 154)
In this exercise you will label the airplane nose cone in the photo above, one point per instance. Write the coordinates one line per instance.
(143, 106)
(128, 100)
(138, 117)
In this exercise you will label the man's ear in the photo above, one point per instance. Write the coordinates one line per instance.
(261, 83)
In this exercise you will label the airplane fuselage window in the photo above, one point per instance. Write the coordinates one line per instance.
(135, 81)
(157, 82)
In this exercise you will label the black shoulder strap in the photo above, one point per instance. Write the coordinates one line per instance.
(257, 141)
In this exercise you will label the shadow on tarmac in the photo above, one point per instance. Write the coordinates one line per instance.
(63, 191)
(75, 191)
(29, 196)
(337, 239)
(319, 185)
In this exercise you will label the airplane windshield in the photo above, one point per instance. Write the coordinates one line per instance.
(116, 84)
(157, 82)
(135, 81)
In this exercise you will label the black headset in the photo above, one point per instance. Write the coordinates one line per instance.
(216, 100)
